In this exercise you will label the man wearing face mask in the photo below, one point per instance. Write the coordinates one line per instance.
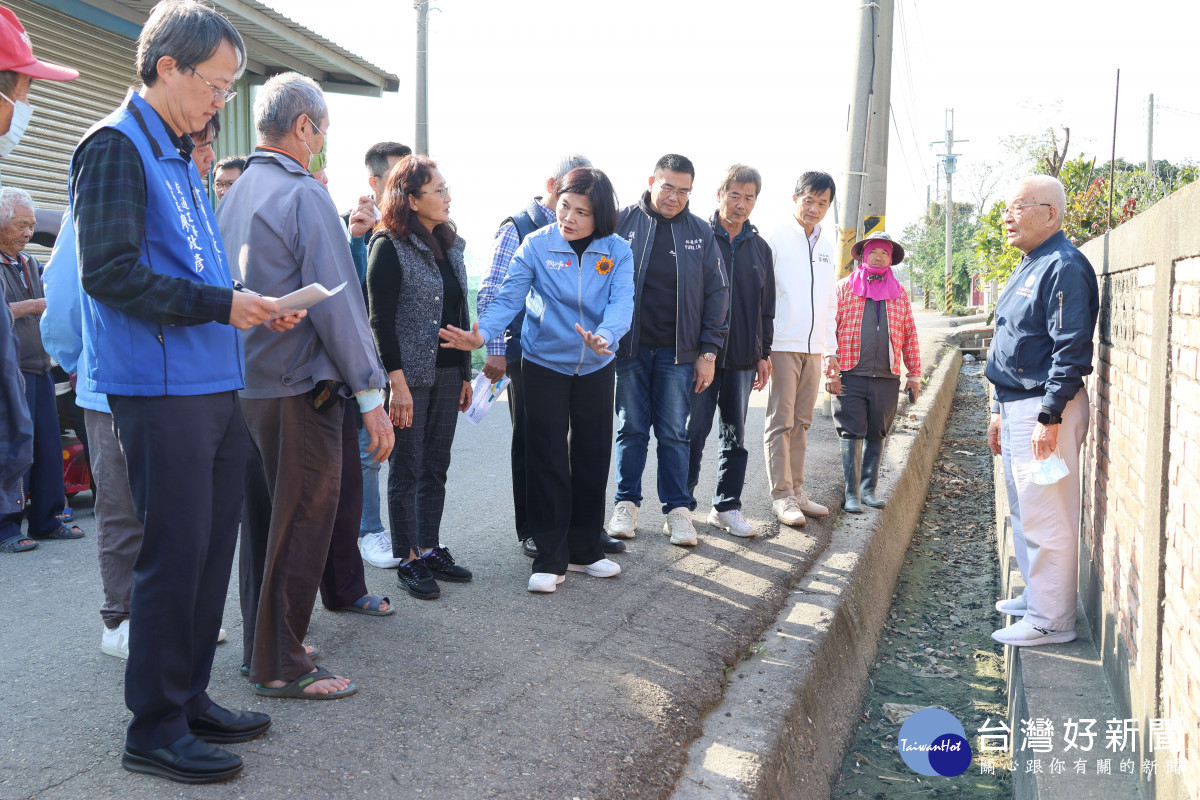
(18, 68)
(302, 388)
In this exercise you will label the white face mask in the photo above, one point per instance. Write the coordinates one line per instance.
(22, 112)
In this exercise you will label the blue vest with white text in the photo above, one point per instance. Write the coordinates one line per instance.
(128, 355)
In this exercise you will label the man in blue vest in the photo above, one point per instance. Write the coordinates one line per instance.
(504, 352)
(160, 341)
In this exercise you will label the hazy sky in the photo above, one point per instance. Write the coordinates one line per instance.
(763, 82)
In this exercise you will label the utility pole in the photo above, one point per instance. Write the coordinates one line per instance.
(949, 166)
(865, 189)
(422, 143)
(1150, 143)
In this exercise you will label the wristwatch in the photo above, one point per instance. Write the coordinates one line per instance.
(709, 357)
(1048, 417)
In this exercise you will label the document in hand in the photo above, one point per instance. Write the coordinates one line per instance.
(306, 297)
(483, 396)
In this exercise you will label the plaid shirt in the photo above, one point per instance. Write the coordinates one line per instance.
(902, 330)
(504, 247)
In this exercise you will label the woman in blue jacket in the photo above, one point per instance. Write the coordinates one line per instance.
(575, 280)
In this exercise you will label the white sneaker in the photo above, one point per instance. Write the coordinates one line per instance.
(221, 635)
(1014, 606)
(810, 508)
(731, 521)
(1023, 634)
(597, 569)
(545, 581)
(376, 550)
(115, 642)
(679, 527)
(788, 511)
(623, 524)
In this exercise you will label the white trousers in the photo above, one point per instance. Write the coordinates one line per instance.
(1045, 519)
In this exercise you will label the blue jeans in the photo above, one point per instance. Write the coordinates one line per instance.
(371, 523)
(653, 390)
(729, 393)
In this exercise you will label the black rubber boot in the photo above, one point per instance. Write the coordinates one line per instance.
(872, 455)
(851, 460)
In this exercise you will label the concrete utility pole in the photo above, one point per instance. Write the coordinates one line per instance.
(949, 166)
(1150, 142)
(865, 189)
(422, 143)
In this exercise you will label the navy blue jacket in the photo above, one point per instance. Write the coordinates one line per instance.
(751, 272)
(1045, 324)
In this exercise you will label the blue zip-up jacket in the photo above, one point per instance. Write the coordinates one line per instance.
(135, 356)
(62, 321)
(559, 290)
(16, 428)
(1045, 324)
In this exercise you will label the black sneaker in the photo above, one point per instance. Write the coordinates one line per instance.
(415, 578)
(529, 547)
(611, 545)
(441, 564)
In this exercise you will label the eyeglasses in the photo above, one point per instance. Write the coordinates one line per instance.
(224, 184)
(444, 192)
(1015, 208)
(668, 190)
(225, 94)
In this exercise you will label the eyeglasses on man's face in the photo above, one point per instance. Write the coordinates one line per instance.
(1016, 208)
(222, 94)
(667, 190)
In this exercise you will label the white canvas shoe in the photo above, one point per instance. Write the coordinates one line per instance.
(732, 521)
(545, 581)
(1023, 634)
(679, 527)
(623, 524)
(1014, 606)
(115, 642)
(376, 550)
(221, 635)
(787, 510)
(603, 568)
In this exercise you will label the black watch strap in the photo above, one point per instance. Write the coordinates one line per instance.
(1048, 417)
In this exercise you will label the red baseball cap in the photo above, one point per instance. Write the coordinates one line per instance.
(16, 52)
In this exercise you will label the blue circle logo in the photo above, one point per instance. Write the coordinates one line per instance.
(934, 742)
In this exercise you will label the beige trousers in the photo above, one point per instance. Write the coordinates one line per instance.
(791, 395)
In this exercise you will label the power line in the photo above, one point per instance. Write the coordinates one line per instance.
(904, 153)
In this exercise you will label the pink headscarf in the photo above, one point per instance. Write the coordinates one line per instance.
(875, 283)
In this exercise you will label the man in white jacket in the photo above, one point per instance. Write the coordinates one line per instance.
(805, 325)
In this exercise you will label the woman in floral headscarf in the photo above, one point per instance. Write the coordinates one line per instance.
(875, 329)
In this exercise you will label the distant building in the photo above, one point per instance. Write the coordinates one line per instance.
(99, 39)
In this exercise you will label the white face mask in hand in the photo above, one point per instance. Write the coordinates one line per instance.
(1050, 471)
(22, 112)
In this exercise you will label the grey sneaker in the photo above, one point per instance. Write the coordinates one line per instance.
(679, 527)
(623, 524)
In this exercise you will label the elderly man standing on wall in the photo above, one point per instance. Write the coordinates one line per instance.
(1041, 352)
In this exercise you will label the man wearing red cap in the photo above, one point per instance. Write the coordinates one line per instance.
(17, 69)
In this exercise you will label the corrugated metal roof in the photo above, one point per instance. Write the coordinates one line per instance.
(276, 44)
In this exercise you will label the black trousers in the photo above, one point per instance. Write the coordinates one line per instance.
(186, 457)
(866, 407)
(516, 412)
(568, 444)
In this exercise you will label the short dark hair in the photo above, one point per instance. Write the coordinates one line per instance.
(213, 127)
(740, 173)
(378, 155)
(815, 182)
(675, 163)
(232, 162)
(598, 189)
(8, 81)
(188, 31)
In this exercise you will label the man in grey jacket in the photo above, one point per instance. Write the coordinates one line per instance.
(681, 303)
(280, 224)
